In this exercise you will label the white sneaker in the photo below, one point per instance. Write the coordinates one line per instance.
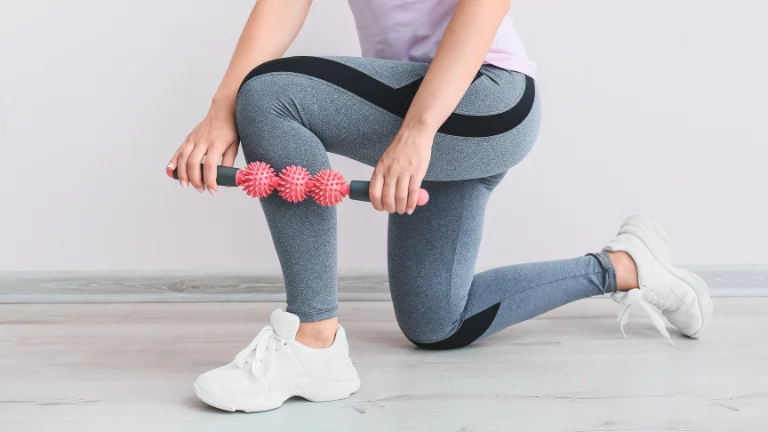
(275, 367)
(681, 295)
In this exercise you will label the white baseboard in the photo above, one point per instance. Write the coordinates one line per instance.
(182, 287)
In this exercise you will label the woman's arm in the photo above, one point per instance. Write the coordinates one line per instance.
(269, 31)
(470, 33)
(459, 56)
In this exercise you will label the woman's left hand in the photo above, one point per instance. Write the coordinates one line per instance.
(396, 180)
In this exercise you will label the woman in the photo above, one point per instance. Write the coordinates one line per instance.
(445, 98)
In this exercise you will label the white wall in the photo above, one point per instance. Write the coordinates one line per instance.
(654, 107)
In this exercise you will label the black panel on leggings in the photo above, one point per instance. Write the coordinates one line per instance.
(397, 101)
(469, 331)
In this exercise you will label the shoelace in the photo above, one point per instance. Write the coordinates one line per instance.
(649, 302)
(260, 352)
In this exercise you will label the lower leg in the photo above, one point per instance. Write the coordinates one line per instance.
(304, 234)
(524, 291)
(440, 302)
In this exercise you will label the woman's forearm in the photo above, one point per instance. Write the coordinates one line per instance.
(270, 30)
(459, 56)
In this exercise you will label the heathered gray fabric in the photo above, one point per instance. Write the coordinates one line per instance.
(432, 256)
(390, 72)
(292, 119)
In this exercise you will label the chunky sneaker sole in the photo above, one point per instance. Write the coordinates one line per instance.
(323, 388)
(657, 247)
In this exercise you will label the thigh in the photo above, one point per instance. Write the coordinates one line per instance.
(432, 257)
(355, 106)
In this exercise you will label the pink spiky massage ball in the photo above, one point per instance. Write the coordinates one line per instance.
(258, 179)
(294, 183)
(328, 188)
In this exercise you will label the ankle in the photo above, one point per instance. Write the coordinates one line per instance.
(318, 334)
(626, 271)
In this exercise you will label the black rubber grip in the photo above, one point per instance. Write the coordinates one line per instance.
(225, 176)
(358, 190)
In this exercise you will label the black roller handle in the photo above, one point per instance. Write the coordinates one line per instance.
(225, 176)
(358, 190)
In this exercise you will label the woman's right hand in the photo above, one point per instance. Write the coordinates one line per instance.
(269, 31)
(212, 142)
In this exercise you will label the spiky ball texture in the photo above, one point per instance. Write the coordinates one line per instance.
(256, 179)
(328, 187)
(294, 183)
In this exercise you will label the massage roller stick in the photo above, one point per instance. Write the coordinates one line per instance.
(294, 184)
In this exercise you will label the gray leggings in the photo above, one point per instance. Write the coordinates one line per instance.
(296, 110)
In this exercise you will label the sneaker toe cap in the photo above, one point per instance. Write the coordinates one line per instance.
(687, 319)
(224, 379)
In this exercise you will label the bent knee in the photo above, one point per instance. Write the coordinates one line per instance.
(424, 329)
(267, 89)
(267, 116)
(436, 333)
(268, 81)
(259, 96)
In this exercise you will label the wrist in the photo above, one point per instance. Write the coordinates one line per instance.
(420, 124)
(223, 103)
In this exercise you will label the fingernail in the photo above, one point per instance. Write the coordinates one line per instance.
(410, 211)
(170, 165)
(184, 183)
(212, 191)
(200, 190)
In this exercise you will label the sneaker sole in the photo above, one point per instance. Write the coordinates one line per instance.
(691, 279)
(314, 389)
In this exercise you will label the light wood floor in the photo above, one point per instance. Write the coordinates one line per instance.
(129, 367)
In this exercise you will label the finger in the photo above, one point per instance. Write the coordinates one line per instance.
(374, 190)
(185, 151)
(401, 193)
(228, 159)
(172, 163)
(388, 194)
(193, 167)
(414, 188)
(209, 169)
